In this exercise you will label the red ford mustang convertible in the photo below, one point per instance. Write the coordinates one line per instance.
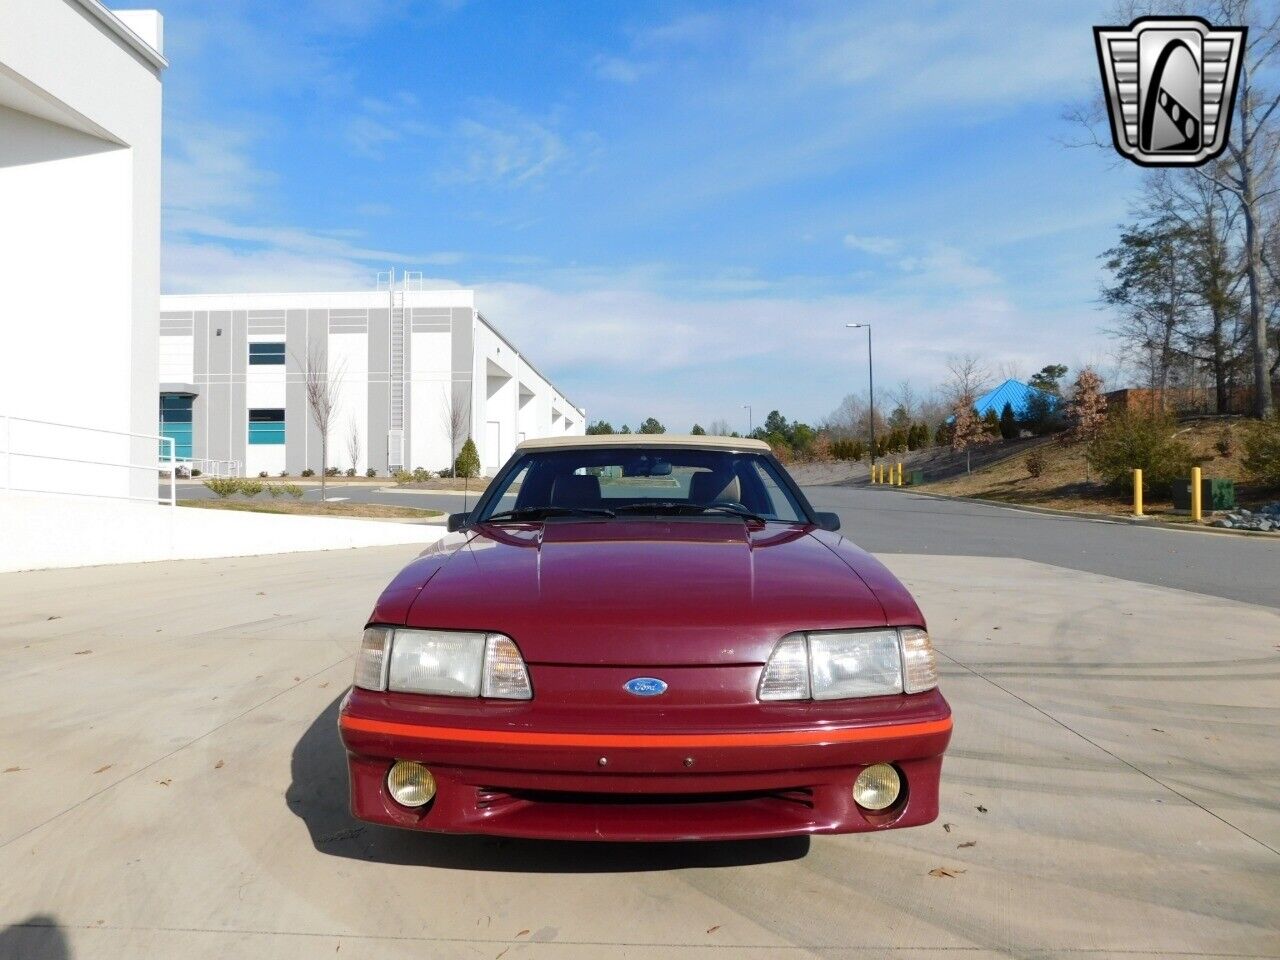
(645, 638)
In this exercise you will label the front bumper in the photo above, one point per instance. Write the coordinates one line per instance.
(505, 779)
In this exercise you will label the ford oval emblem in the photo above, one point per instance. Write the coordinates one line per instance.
(645, 687)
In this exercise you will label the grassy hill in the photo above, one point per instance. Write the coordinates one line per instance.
(1066, 482)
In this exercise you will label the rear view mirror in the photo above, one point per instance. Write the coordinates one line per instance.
(457, 521)
(645, 467)
(828, 521)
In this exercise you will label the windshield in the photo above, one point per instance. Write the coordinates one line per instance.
(642, 482)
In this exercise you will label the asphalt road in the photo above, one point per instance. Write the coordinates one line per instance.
(896, 521)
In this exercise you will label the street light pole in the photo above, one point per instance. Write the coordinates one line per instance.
(751, 425)
(871, 386)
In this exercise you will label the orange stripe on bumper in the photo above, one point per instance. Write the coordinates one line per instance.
(796, 738)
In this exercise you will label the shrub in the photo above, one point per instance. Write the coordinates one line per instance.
(293, 490)
(273, 489)
(820, 449)
(250, 488)
(421, 475)
(223, 487)
(1262, 449)
(196, 473)
(1225, 443)
(331, 472)
(351, 471)
(262, 474)
(1133, 437)
(283, 473)
(842, 450)
(402, 477)
(371, 472)
(1034, 463)
(308, 472)
(468, 462)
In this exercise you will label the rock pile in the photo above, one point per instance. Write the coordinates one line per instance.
(1266, 519)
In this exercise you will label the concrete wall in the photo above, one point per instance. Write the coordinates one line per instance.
(80, 98)
(49, 531)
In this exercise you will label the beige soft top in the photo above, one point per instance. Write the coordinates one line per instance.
(644, 440)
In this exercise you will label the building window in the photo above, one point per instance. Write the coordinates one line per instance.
(266, 426)
(175, 423)
(266, 354)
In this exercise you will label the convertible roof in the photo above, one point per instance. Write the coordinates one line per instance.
(624, 440)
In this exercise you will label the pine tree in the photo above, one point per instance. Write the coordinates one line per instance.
(991, 423)
(468, 462)
(1008, 423)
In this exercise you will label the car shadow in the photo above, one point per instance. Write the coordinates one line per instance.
(318, 797)
(38, 937)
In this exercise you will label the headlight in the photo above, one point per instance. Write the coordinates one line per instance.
(450, 663)
(845, 664)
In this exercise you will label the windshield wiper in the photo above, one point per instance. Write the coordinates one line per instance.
(734, 509)
(541, 513)
(685, 508)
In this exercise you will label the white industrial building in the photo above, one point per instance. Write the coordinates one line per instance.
(80, 133)
(415, 373)
(80, 96)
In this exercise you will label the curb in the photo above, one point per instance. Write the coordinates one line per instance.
(1148, 522)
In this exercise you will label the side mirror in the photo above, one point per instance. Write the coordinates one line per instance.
(828, 521)
(457, 521)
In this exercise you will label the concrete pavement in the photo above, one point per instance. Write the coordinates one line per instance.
(179, 791)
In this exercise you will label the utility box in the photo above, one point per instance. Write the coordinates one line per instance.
(1216, 493)
(915, 478)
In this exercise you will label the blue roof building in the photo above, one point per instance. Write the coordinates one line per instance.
(1018, 395)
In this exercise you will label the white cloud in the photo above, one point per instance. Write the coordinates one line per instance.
(207, 167)
(689, 29)
(877, 246)
(962, 54)
(948, 267)
(616, 69)
(500, 145)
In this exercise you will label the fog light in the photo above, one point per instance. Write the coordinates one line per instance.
(877, 787)
(411, 784)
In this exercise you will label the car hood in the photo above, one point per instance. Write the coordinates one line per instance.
(651, 593)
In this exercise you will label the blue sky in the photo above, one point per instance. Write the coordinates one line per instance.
(673, 208)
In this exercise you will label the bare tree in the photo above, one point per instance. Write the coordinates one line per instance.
(353, 443)
(1011, 370)
(1248, 171)
(967, 378)
(323, 388)
(905, 398)
(456, 415)
(719, 427)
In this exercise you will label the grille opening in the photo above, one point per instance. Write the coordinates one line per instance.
(488, 796)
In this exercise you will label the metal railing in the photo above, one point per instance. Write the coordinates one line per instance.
(165, 464)
(213, 468)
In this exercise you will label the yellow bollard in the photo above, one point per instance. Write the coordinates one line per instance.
(1195, 495)
(899, 473)
(875, 473)
(1137, 492)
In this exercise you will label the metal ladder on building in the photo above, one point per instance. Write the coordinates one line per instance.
(400, 330)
